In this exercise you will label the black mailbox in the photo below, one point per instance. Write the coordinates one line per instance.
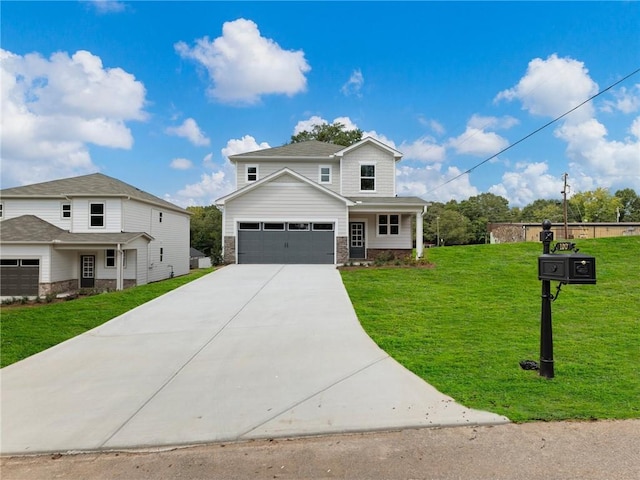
(567, 268)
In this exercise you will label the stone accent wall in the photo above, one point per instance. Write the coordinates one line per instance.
(373, 253)
(342, 253)
(229, 250)
(53, 288)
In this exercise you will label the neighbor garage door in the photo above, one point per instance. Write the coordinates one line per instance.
(282, 242)
(19, 277)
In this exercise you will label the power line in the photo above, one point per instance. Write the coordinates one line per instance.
(536, 131)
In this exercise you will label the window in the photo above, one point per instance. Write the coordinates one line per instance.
(9, 262)
(110, 258)
(325, 174)
(252, 173)
(299, 226)
(273, 226)
(26, 262)
(96, 215)
(160, 217)
(323, 227)
(65, 210)
(388, 224)
(161, 254)
(248, 226)
(1, 210)
(367, 178)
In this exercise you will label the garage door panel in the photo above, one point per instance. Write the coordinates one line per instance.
(288, 247)
(19, 280)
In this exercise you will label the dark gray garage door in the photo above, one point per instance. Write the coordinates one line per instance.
(19, 278)
(273, 242)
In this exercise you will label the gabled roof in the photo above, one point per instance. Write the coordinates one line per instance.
(275, 175)
(311, 149)
(372, 141)
(92, 185)
(32, 229)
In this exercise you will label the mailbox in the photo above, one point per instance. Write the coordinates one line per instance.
(567, 268)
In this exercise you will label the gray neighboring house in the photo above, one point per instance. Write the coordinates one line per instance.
(316, 202)
(91, 231)
(199, 259)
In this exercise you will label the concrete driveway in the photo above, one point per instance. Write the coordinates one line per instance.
(249, 351)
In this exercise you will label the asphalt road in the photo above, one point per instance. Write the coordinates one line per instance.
(536, 451)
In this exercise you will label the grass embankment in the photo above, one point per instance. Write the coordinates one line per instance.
(26, 330)
(465, 324)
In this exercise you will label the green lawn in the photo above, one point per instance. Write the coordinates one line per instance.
(464, 325)
(25, 330)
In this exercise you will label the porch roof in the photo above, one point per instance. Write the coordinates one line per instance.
(388, 202)
(32, 229)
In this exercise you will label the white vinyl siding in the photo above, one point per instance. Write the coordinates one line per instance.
(285, 200)
(403, 240)
(81, 219)
(309, 170)
(385, 171)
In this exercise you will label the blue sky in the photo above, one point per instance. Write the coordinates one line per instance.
(159, 94)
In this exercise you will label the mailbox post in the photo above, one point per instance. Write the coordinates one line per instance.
(546, 333)
(573, 268)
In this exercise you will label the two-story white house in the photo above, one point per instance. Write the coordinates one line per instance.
(92, 232)
(316, 202)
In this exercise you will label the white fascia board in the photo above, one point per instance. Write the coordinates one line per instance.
(396, 154)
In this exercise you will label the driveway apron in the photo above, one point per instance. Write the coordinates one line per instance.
(249, 351)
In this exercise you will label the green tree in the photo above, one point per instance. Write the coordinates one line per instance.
(596, 205)
(455, 228)
(483, 209)
(539, 210)
(630, 210)
(334, 133)
(206, 231)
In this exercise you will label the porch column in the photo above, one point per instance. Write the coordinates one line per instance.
(419, 239)
(119, 281)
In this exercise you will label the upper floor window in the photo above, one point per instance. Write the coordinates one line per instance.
(325, 174)
(65, 210)
(252, 173)
(160, 217)
(96, 215)
(1, 210)
(388, 224)
(161, 254)
(367, 178)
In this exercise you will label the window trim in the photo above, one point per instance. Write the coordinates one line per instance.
(103, 215)
(388, 224)
(63, 211)
(108, 257)
(246, 171)
(320, 174)
(362, 177)
(304, 226)
(242, 226)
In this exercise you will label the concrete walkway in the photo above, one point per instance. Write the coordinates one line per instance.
(251, 351)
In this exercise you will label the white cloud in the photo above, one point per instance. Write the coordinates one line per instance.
(107, 6)
(354, 84)
(475, 141)
(314, 120)
(424, 150)
(243, 145)
(181, 164)
(553, 86)
(53, 109)
(191, 131)
(529, 182)
(243, 65)
(425, 182)
(626, 101)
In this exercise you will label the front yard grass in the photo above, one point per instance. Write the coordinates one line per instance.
(26, 330)
(465, 324)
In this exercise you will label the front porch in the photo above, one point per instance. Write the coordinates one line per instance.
(385, 227)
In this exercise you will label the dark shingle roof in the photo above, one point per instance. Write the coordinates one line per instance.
(310, 148)
(32, 229)
(95, 185)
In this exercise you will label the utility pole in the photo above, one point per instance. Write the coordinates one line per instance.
(564, 206)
